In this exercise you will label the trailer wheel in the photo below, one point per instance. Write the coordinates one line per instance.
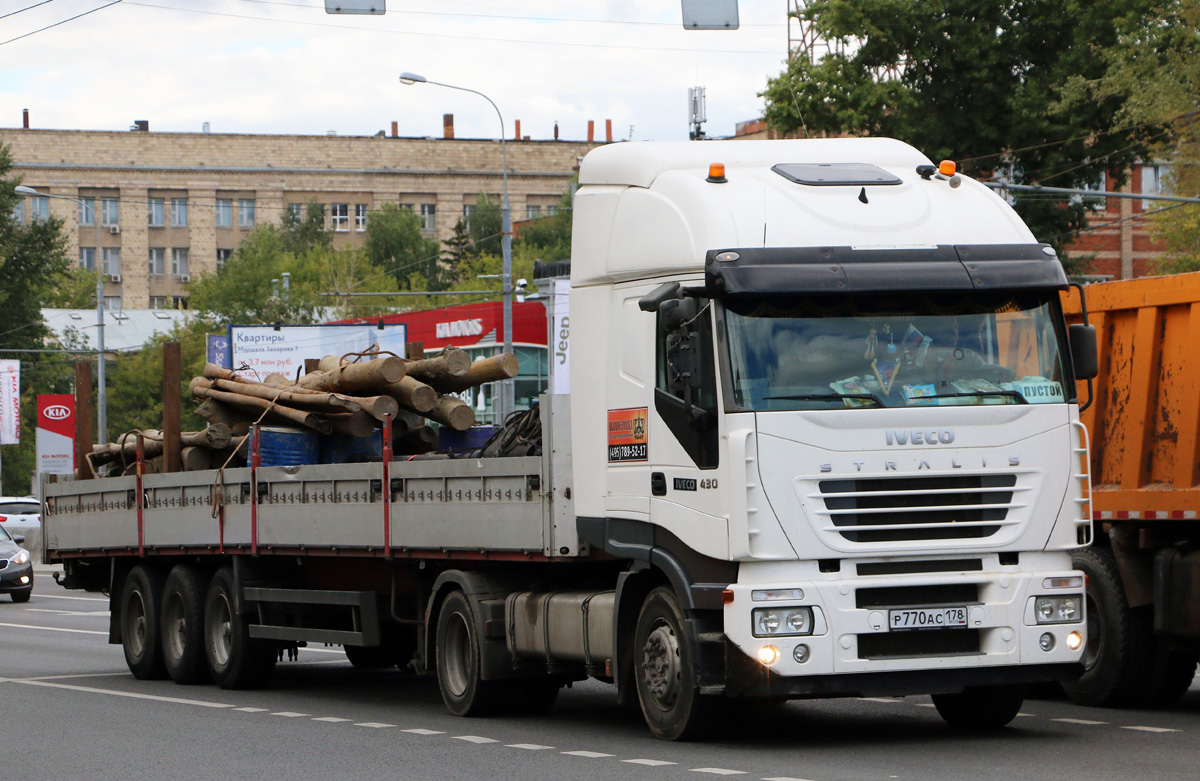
(664, 666)
(1119, 639)
(141, 605)
(236, 660)
(980, 707)
(458, 661)
(1171, 674)
(183, 626)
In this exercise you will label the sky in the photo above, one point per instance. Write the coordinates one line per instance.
(285, 66)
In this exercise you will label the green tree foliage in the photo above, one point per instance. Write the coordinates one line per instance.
(395, 244)
(977, 81)
(302, 234)
(76, 290)
(549, 238)
(486, 227)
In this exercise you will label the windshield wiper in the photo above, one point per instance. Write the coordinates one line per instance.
(1012, 394)
(828, 397)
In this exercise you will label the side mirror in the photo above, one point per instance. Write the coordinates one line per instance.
(678, 312)
(18, 538)
(667, 291)
(1084, 353)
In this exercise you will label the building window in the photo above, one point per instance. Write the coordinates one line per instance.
(296, 211)
(87, 258)
(246, 213)
(158, 261)
(224, 213)
(341, 216)
(222, 256)
(360, 217)
(180, 302)
(18, 214)
(179, 212)
(158, 302)
(39, 208)
(112, 303)
(1155, 181)
(428, 216)
(551, 211)
(87, 211)
(154, 212)
(179, 261)
(112, 261)
(533, 212)
(110, 211)
(1092, 202)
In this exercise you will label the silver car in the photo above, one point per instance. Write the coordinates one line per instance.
(22, 515)
(16, 568)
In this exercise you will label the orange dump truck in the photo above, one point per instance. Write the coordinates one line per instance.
(1143, 594)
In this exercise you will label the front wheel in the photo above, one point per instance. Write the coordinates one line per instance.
(459, 663)
(665, 670)
(980, 707)
(22, 596)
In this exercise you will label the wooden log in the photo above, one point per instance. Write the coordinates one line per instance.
(275, 378)
(452, 412)
(195, 459)
(203, 389)
(421, 439)
(355, 424)
(351, 377)
(450, 364)
(412, 393)
(217, 413)
(172, 406)
(215, 436)
(327, 402)
(492, 369)
(328, 363)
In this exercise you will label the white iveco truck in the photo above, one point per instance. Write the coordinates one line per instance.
(822, 440)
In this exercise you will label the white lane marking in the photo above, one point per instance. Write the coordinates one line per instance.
(324, 650)
(58, 629)
(75, 599)
(718, 771)
(588, 754)
(132, 695)
(1151, 729)
(252, 710)
(926, 705)
(882, 699)
(76, 675)
(1086, 722)
(424, 731)
(1026, 715)
(529, 746)
(373, 724)
(648, 762)
(330, 719)
(474, 739)
(289, 714)
(789, 778)
(66, 612)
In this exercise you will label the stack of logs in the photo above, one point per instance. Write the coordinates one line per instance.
(339, 397)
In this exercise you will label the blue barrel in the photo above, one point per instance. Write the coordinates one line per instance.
(472, 439)
(345, 449)
(286, 446)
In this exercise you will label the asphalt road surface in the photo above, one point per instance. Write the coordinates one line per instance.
(69, 709)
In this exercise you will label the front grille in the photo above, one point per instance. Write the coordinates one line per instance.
(887, 509)
(929, 642)
(3, 563)
(917, 596)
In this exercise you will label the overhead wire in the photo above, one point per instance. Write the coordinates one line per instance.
(56, 24)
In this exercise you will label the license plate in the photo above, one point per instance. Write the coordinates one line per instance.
(926, 618)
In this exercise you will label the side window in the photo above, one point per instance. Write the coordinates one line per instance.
(685, 393)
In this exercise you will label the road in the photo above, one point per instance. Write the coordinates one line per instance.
(72, 711)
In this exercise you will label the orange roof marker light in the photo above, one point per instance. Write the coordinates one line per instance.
(947, 168)
(716, 173)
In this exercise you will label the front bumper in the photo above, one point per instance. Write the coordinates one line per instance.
(16, 577)
(851, 635)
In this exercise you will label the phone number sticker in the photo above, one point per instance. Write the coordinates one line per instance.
(627, 437)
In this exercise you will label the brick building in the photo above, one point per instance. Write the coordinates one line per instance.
(175, 205)
(1118, 244)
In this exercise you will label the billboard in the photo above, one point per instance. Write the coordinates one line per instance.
(10, 402)
(56, 434)
(259, 350)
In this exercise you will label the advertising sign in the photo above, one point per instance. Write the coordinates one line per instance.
(218, 350)
(265, 349)
(560, 338)
(10, 402)
(627, 439)
(56, 434)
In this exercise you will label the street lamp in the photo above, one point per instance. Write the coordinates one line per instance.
(506, 401)
(101, 397)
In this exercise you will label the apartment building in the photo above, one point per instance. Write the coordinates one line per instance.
(161, 208)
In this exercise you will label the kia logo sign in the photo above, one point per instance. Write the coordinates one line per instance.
(58, 412)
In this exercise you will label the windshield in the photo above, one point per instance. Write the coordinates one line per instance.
(952, 349)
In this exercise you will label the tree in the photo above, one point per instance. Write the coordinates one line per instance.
(301, 234)
(977, 81)
(76, 290)
(549, 237)
(396, 244)
(486, 227)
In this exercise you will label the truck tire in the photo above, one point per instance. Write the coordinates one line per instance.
(1171, 674)
(183, 626)
(458, 662)
(664, 667)
(235, 660)
(1119, 639)
(141, 605)
(980, 707)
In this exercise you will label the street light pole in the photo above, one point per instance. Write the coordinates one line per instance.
(101, 396)
(506, 401)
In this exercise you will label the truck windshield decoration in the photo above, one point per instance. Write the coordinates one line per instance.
(867, 351)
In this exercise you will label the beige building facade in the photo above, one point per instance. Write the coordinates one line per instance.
(172, 206)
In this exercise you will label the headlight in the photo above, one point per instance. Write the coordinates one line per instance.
(771, 622)
(1057, 610)
(21, 557)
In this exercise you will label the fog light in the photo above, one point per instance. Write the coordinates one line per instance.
(801, 653)
(1046, 642)
(24, 578)
(768, 655)
(1074, 641)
